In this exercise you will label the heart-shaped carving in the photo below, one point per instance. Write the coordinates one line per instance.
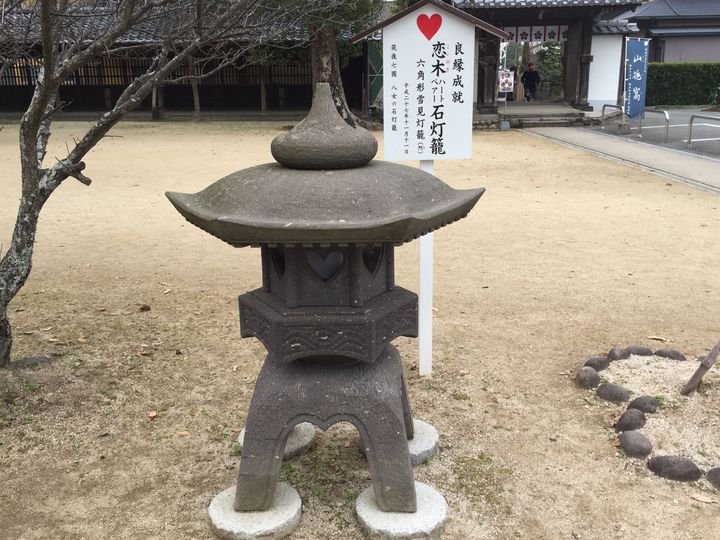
(429, 25)
(371, 258)
(277, 255)
(328, 267)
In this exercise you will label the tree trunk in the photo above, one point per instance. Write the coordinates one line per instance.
(16, 264)
(194, 85)
(326, 68)
(5, 338)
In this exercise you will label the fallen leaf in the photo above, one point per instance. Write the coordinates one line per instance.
(236, 429)
(167, 291)
(182, 434)
(28, 333)
(615, 442)
(82, 339)
(658, 338)
(145, 353)
(53, 340)
(47, 329)
(152, 415)
(703, 499)
(144, 307)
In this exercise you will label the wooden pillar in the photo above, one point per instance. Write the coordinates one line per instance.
(263, 88)
(366, 79)
(585, 60)
(487, 73)
(573, 49)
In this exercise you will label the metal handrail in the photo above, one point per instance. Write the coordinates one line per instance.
(602, 114)
(667, 122)
(690, 124)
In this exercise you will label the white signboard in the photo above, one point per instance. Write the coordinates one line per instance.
(428, 70)
(506, 80)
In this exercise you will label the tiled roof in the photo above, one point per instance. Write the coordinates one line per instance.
(25, 25)
(486, 4)
(678, 9)
(686, 31)
(89, 23)
(614, 28)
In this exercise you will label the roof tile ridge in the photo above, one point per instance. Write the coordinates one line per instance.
(669, 3)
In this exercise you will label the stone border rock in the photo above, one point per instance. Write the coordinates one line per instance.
(277, 522)
(427, 522)
(633, 443)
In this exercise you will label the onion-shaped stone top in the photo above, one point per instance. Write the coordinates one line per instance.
(271, 204)
(323, 140)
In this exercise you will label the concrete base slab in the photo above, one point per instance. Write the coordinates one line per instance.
(301, 438)
(425, 444)
(277, 522)
(427, 522)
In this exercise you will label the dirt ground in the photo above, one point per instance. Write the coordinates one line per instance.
(565, 256)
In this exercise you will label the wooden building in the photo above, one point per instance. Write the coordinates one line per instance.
(282, 84)
(573, 19)
(681, 30)
(288, 85)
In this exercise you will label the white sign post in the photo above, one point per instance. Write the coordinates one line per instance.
(429, 67)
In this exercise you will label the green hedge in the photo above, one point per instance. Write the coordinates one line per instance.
(682, 83)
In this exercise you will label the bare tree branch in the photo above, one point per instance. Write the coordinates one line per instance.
(163, 35)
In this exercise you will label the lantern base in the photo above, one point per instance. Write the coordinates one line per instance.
(373, 397)
(280, 520)
(427, 522)
(301, 439)
(425, 444)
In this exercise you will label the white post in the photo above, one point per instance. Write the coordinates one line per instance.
(425, 311)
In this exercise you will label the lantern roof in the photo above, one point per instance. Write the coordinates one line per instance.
(326, 189)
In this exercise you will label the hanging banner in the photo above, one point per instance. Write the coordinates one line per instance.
(429, 59)
(535, 33)
(506, 81)
(636, 65)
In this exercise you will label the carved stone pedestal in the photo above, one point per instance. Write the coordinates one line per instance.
(373, 397)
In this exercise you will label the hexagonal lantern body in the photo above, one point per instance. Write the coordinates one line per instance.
(329, 304)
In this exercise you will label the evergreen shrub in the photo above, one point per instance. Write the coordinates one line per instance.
(682, 83)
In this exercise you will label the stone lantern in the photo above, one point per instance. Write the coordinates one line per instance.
(327, 219)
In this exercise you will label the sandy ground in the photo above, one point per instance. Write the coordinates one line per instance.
(565, 256)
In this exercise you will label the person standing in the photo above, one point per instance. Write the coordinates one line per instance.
(530, 79)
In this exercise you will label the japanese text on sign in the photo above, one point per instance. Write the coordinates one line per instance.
(428, 86)
(636, 63)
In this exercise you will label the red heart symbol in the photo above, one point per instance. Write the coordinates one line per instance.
(429, 25)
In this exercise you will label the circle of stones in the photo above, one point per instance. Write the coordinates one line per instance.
(632, 442)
